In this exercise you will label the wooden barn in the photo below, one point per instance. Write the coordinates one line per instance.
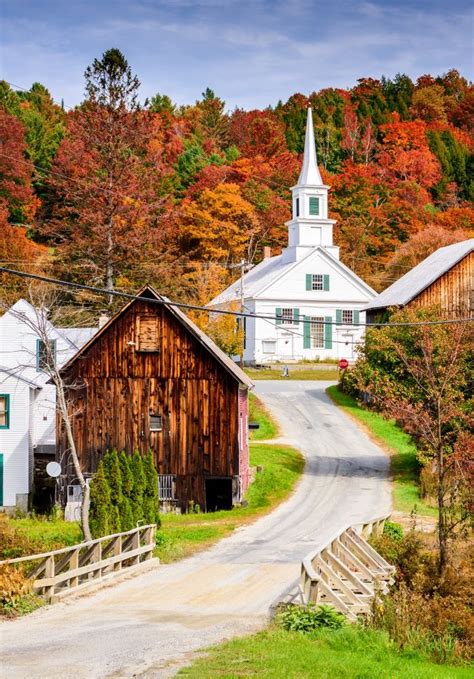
(150, 379)
(444, 279)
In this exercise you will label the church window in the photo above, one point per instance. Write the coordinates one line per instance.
(317, 332)
(317, 281)
(347, 316)
(314, 206)
(297, 207)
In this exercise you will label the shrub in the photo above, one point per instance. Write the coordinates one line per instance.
(15, 592)
(138, 489)
(127, 490)
(113, 474)
(295, 618)
(150, 496)
(13, 543)
(393, 530)
(100, 504)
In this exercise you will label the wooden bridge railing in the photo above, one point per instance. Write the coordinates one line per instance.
(347, 573)
(64, 570)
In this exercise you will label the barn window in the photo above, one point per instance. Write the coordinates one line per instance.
(166, 487)
(45, 354)
(4, 411)
(156, 422)
(148, 337)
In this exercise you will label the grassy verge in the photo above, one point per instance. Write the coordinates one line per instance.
(295, 373)
(183, 535)
(258, 413)
(348, 653)
(404, 464)
(45, 535)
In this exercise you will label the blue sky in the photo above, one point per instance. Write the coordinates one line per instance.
(251, 52)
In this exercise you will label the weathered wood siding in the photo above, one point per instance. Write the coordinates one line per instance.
(117, 387)
(453, 291)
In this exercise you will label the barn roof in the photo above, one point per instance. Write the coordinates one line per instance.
(422, 276)
(227, 363)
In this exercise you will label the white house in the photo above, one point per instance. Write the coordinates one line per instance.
(27, 402)
(312, 301)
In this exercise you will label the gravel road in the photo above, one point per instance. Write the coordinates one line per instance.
(149, 625)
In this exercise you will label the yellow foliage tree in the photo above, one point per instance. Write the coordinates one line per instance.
(219, 224)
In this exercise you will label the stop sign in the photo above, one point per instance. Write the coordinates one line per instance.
(343, 363)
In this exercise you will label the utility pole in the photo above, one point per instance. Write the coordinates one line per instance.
(244, 266)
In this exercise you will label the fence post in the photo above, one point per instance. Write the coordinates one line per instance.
(136, 544)
(117, 551)
(49, 572)
(96, 557)
(73, 564)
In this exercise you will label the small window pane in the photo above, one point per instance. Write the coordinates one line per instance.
(347, 316)
(156, 423)
(166, 487)
(46, 354)
(297, 207)
(268, 347)
(4, 411)
(317, 332)
(287, 316)
(314, 206)
(317, 281)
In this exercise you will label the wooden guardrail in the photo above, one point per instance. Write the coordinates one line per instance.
(65, 570)
(347, 573)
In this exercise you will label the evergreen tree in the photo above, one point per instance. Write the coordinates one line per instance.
(136, 465)
(126, 512)
(99, 504)
(150, 499)
(110, 82)
(113, 474)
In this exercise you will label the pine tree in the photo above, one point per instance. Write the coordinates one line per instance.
(136, 466)
(113, 474)
(99, 504)
(126, 512)
(150, 499)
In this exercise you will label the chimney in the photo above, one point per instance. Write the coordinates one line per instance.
(103, 319)
(267, 252)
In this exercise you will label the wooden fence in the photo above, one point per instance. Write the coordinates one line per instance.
(66, 570)
(347, 573)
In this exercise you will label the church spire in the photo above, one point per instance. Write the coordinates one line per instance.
(310, 175)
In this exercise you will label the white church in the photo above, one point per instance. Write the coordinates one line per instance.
(312, 303)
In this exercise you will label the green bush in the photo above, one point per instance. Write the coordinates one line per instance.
(100, 504)
(393, 530)
(113, 474)
(138, 489)
(126, 511)
(295, 618)
(150, 494)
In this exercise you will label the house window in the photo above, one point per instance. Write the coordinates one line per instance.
(156, 423)
(317, 332)
(166, 487)
(4, 411)
(45, 354)
(287, 316)
(148, 338)
(297, 207)
(268, 346)
(317, 281)
(347, 316)
(314, 206)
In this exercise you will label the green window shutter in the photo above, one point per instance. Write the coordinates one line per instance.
(296, 315)
(307, 333)
(309, 281)
(328, 332)
(355, 316)
(326, 282)
(1, 480)
(314, 206)
(278, 315)
(338, 315)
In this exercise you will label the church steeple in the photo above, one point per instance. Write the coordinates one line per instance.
(309, 174)
(310, 226)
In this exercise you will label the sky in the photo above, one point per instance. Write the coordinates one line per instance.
(252, 53)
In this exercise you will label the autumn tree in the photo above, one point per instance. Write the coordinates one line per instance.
(419, 375)
(105, 220)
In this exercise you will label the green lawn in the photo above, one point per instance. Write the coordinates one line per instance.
(404, 464)
(258, 413)
(185, 534)
(41, 535)
(348, 653)
(295, 373)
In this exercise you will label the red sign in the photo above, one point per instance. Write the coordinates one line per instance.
(343, 363)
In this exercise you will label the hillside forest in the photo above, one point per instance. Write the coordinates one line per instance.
(116, 192)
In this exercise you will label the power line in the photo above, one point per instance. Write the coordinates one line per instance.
(213, 310)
